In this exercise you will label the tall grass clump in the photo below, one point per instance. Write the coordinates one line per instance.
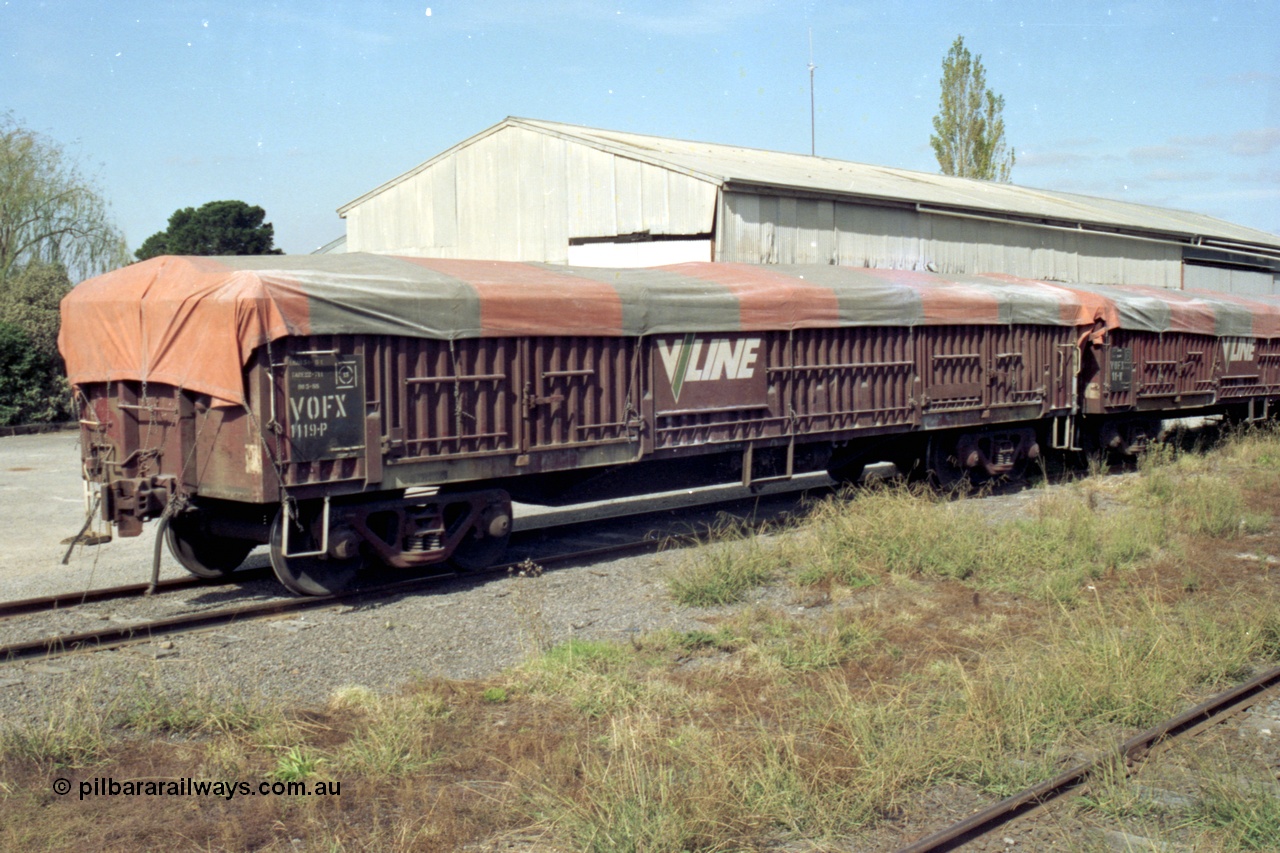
(648, 785)
(397, 735)
(146, 709)
(596, 678)
(1213, 506)
(65, 738)
(1247, 816)
(890, 528)
(895, 529)
(1202, 493)
(638, 793)
(1099, 672)
(76, 730)
(887, 742)
(736, 560)
(1256, 447)
(1115, 665)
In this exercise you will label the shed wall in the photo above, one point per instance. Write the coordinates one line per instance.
(520, 195)
(773, 229)
(1228, 280)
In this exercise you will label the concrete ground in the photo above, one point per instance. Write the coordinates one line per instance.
(42, 503)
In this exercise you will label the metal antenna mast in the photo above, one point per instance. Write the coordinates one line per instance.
(813, 145)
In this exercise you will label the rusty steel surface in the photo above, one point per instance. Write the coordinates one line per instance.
(545, 372)
(72, 599)
(105, 638)
(859, 378)
(1144, 371)
(344, 414)
(1168, 371)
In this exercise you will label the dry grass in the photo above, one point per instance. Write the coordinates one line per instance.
(942, 647)
(735, 560)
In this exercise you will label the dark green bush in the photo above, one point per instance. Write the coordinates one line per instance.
(33, 386)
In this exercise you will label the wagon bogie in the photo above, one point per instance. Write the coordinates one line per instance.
(1128, 436)
(982, 455)
(319, 546)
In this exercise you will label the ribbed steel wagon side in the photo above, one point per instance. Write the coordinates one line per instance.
(348, 408)
(1174, 353)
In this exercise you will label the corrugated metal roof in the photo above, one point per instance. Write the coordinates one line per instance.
(745, 168)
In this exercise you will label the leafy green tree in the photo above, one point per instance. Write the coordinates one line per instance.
(31, 300)
(49, 212)
(968, 131)
(215, 228)
(21, 376)
(33, 386)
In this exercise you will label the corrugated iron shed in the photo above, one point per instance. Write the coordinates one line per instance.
(736, 168)
(529, 190)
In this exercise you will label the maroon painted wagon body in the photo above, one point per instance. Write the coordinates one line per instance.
(350, 407)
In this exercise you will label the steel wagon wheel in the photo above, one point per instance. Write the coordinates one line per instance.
(201, 553)
(319, 574)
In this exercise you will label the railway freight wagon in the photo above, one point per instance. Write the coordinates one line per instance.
(350, 408)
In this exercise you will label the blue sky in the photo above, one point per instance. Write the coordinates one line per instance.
(303, 106)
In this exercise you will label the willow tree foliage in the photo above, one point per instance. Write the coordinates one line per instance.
(49, 212)
(968, 131)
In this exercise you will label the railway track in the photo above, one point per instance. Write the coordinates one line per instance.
(558, 519)
(1134, 750)
(603, 511)
(115, 636)
(60, 601)
(550, 522)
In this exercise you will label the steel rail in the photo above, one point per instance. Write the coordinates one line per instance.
(116, 636)
(73, 599)
(1134, 749)
(59, 601)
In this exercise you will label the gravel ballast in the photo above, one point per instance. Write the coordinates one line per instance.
(456, 629)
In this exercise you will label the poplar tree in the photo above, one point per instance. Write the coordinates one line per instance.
(968, 131)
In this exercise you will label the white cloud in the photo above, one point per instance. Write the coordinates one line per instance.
(1158, 152)
(1255, 143)
(1175, 175)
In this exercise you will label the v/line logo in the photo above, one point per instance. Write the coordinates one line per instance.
(1238, 349)
(687, 360)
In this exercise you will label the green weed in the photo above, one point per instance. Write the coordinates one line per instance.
(1248, 815)
(735, 561)
(297, 764)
